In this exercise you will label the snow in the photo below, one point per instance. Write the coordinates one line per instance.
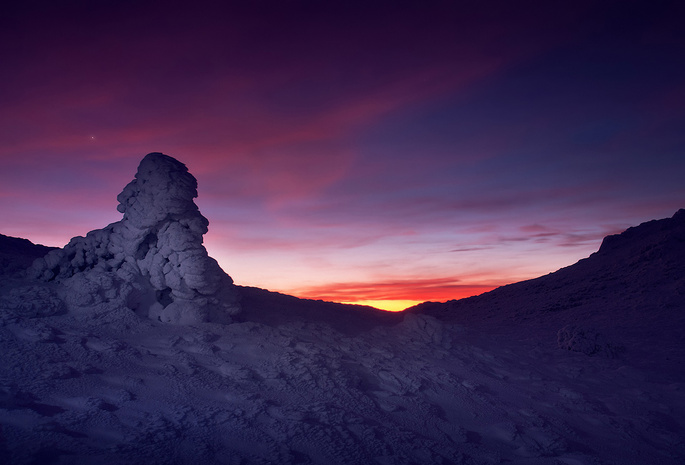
(153, 260)
(580, 367)
(110, 387)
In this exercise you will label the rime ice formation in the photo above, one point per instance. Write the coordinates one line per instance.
(153, 259)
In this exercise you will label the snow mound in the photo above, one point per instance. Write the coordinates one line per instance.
(153, 260)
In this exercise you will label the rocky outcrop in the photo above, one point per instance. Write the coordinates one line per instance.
(153, 259)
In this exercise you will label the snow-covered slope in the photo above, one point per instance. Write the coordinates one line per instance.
(480, 381)
(629, 297)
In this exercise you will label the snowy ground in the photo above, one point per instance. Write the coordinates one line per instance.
(477, 381)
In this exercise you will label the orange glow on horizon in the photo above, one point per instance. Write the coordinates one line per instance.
(394, 296)
(387, 305)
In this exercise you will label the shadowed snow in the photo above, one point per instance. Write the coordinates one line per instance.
(579, 367)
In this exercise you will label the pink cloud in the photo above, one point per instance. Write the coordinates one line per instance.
(415, 289)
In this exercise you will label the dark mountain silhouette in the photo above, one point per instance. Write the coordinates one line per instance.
(17, 254)
(274, 308)
(632, 290)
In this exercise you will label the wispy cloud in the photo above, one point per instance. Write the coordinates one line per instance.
(417, 289)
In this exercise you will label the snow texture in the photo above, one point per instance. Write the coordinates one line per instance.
(151, 261)
(516, 376)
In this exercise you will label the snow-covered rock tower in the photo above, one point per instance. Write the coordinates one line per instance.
(153, 259)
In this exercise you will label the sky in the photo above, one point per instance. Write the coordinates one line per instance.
(380, 152)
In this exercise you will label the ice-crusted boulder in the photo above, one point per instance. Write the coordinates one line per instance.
(588, 341)
(152, 260)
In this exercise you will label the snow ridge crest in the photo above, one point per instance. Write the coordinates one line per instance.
(646, 236)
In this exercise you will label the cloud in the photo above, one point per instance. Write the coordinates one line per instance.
(470, 249)
(406, 289)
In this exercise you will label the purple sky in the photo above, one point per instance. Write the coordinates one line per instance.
(375, 151)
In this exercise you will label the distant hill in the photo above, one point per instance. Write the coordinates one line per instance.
(17, 254)
(632, 288)
(274, 308)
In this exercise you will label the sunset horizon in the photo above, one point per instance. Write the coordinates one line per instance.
(382, 153)
(394, 296)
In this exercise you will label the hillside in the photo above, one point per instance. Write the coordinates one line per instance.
(631, 292)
